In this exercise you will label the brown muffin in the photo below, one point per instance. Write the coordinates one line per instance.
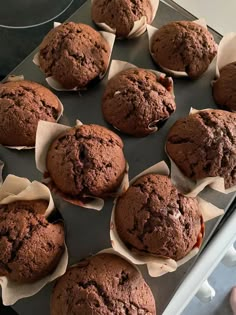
(204, 145)
(30, 246)
(224, 88)
(104, 284)
(122, 14)
(152, 217)
(183, 46)
(90, 159)
(22, 105)
(74, 54)
(134, 101)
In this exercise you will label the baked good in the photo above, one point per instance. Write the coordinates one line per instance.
(152, 217)
(90, 159)
(134, 101)
(22, 105)
(121, 15)
(204, 145)
(224, 88)
(183, 46)
(74, 54)
(104, 284)
(30, 246)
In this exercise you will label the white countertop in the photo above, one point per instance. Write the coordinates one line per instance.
(219, 14)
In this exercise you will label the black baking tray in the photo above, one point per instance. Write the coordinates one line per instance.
(88, 230)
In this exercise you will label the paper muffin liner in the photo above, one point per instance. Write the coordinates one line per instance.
(14, 189)
(226, 52)
(159, 265)
(117, 66)
(140, 25)
(46, 133)
(151, 31)
(54, 84)
(14, 78)
(1, 169)
(192, 188)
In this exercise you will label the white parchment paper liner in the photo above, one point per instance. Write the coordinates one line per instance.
(13, 78)
(177, 74)
(1, 169)
(46, 133)
(140, 25)
(192, 188)
(17, 188)
(158, 266)
(226, 52)
(118, 66)
(53, 83)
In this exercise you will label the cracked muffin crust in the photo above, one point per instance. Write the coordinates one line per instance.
(134, 101)
(74, 54)
(152, 217)
(87, 160)
(183, 46)
(204, 145)
(22, 105)
(104, 284)
(121, 14)
(30, 246)
(224, 88)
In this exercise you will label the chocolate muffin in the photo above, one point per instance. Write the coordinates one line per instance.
(104, 284)
(121, 15)
(135, 102)
(74, 54)
(183, 46)
(22, 105)
(30, 246)
(204, 145)
(90, 159)
(152, 217)
(224, 88)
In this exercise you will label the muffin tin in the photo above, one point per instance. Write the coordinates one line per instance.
(88, 230)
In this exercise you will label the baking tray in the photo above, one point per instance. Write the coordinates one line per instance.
(88, 230)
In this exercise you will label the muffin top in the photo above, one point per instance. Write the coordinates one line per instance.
(183, 46)
(90, 159)
(30, 246)
(204, 145)
(122, 14)
(104, 284)
(224, 88)
(74, 54)
(135, 102)
(22, 105)
(152, 217)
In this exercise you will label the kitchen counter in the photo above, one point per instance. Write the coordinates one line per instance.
(220, 15)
